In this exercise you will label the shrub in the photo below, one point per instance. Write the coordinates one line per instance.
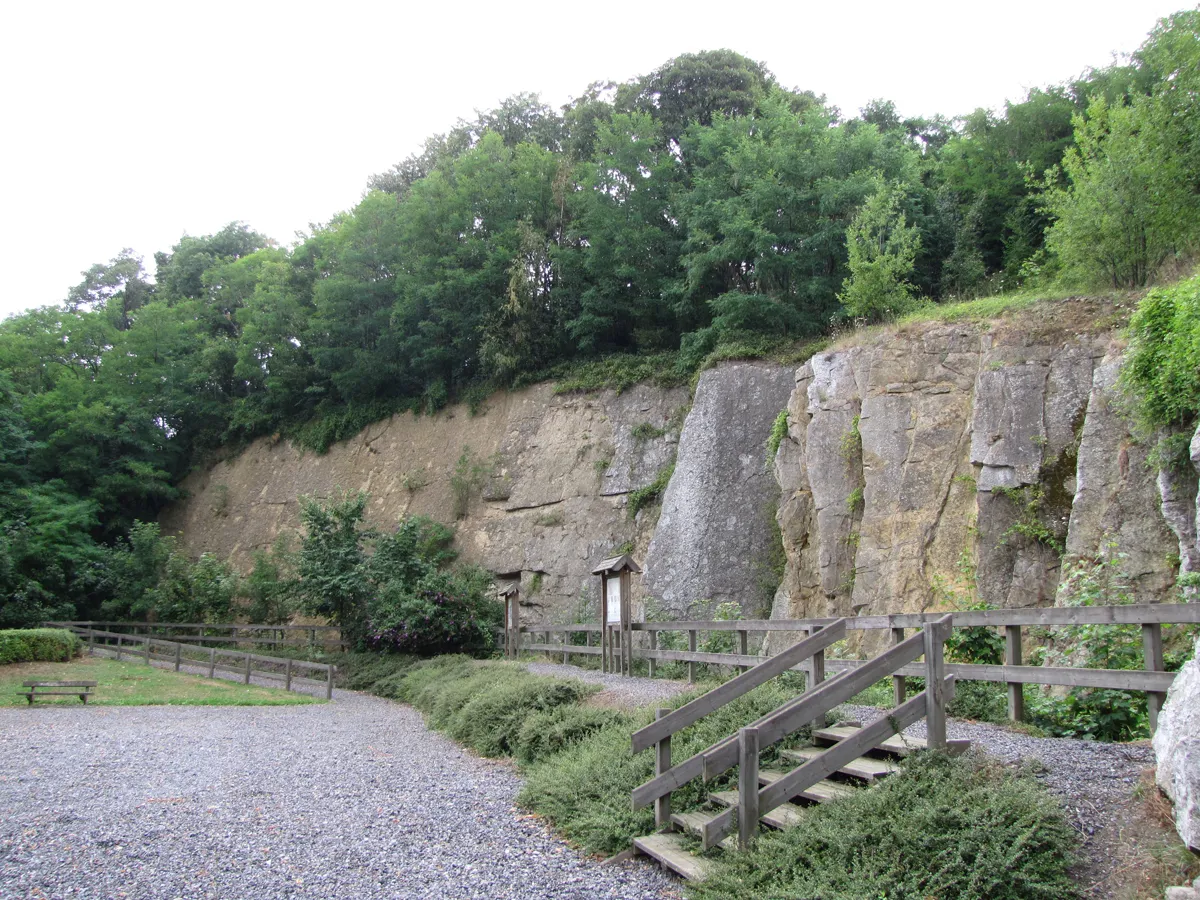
(552, 731)
(482, 705)
(362, 671)
(947, 827)
(584, 790)
(443, 613)
(37, 645)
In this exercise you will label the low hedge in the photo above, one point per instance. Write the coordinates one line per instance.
(19, 645)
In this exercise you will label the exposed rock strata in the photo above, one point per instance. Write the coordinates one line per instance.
(960, 462)
(711, 541)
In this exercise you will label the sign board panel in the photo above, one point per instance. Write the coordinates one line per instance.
(614, 600)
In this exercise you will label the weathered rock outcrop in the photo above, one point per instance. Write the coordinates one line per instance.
(544, 479)
(1177, 750)
(712, 536)
(926, 467)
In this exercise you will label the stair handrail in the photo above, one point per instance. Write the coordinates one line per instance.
(794, 714)
(658, 734)
(803, 777)
(709, 702)
(929, 705)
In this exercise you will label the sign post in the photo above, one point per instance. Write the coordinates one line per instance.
(616, 613)
(509, 596)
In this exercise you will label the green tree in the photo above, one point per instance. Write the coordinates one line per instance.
(333, 578)
(882, 247)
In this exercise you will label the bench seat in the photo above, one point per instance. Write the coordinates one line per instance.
(80, 689)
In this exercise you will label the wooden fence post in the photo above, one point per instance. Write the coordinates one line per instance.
(817, 668)
(565, 635)
(247, 668)
(212, 662)
(146, 649)
(287, 675)
(178, 656)
(935, 694)
(899, 685)
(742, 648)
(662, 763)
(91, 642)
(692, 649)
(747, 787)
(1013, 657)
(120, 640)
(1152, 652)
(329, 682)
(653, 646)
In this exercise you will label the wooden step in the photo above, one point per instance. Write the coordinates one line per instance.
(670, 850)
(900, 745)
(822, 792)
(781, 817)
(694, 822)
(868, 768)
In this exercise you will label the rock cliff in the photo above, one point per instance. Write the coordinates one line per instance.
(923, 467)
(536, 484)
(933, 466)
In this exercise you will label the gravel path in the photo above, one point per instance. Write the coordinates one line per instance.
(353, 799)
(623, 691)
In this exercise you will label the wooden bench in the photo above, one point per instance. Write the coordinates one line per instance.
(80, 689)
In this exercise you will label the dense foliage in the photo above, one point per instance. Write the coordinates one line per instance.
(37, 645)
(393, 591)
(700, 211)
(948, 827)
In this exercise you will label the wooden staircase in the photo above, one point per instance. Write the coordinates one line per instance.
(841, 760)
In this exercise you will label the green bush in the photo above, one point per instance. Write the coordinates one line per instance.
(948, 827)
(362, 671)
(552, 731)
(38, 645)
(584, 791)
(486, 705)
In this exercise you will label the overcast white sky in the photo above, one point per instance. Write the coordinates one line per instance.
(128, 124)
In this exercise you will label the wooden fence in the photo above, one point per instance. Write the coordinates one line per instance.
(328, 637)
(1152, 680)
(247, 665)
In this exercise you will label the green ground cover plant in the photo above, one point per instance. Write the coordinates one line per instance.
(584, 790)
(947, 827)
(18, 645)
(136, 684)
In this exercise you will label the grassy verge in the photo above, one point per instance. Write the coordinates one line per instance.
(136, 684)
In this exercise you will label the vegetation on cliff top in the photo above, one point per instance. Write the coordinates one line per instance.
(700, 212)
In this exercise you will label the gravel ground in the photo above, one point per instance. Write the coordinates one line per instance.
(622, 690)
(349, 799)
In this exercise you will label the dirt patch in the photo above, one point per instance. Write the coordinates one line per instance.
(1142, 856)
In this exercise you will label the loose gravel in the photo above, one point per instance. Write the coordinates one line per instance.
(621, 690)
(354, 798)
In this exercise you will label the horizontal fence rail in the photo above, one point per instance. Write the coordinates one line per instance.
(1151, 680)
(248, 665)
(301, 636)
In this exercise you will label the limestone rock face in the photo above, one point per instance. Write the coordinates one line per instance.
(1116, 493)
(1177, 750)
(713, 533)
(952, 462)
(547, 479)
